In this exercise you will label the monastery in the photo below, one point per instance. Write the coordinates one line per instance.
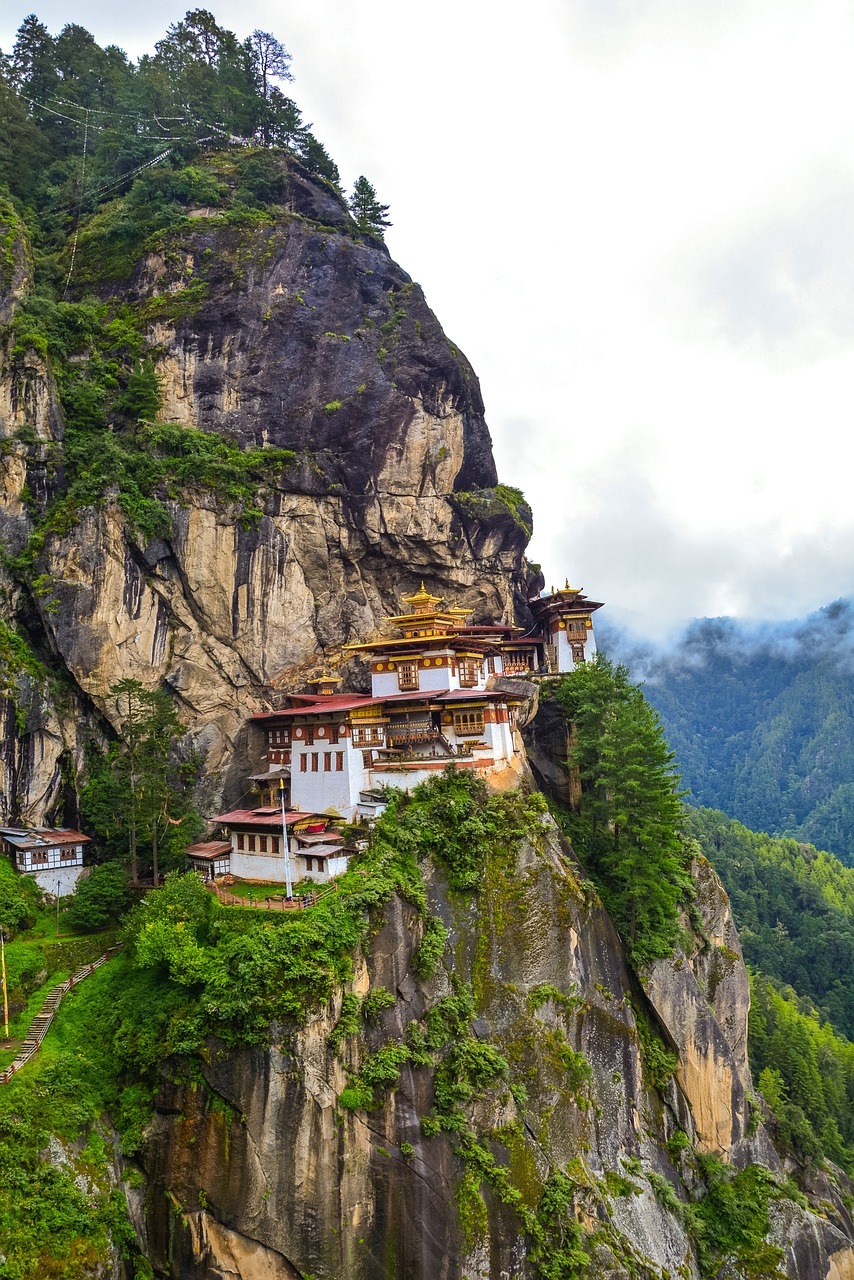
(329, 755)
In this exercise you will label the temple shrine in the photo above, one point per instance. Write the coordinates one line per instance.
(433, 702)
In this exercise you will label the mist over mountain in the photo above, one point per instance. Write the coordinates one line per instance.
(761, 718)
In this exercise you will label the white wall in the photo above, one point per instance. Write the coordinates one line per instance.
(261, 866)
(317, 792)
(432, 679)
(66, 877)
(333, 867)
(384, 683)
(24, 858)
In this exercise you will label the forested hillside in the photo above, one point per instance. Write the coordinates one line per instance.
(794, 907)
(761, 719)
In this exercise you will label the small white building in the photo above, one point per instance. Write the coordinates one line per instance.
(52, 856)
(210, 858)
(257, 842)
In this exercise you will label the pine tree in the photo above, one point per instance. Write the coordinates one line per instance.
(32, 66)
(136, 795)
(283, 125)
(629, 819)
(269, 59)
(369, 214)
(317, 159)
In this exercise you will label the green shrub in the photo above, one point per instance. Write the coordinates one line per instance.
(377, 999)
(348, 1021)
(100, 898)
(430, 949)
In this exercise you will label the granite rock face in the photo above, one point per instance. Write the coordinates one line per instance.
(293, 333)
(257, 1166)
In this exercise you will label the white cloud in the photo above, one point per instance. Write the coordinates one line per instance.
(633, 216)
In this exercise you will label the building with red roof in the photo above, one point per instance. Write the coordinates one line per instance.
(329, 755)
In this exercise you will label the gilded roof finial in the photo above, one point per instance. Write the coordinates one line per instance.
(566, 585)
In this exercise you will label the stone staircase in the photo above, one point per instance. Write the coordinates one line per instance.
(41, 1022)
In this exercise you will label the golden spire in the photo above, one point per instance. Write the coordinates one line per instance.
(422, 601)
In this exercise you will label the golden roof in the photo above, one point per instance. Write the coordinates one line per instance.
(422, 601)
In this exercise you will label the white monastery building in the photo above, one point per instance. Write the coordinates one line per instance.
(329, 755)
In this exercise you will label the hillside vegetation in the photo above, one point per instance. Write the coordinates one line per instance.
(761, 719)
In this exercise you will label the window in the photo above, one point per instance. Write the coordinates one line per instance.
(577, 651)
(262, 844)
(517, 662)
(327, 762)
(303, 763)
(314, 762)
(250, 843)
(240, 840)
(468, 723)
(407, 675)
(274, 844)
(67, 853)
(367, 759)
(469, 672)
(339, 761)
(309, 864)
(38, 856)
(368, 736)
(309, 735)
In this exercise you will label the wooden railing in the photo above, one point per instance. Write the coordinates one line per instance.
(274, 901)
(41, 1022)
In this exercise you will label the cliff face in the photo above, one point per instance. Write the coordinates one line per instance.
(254, 1168)
(289, 332)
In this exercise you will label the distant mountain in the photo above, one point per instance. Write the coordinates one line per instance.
(794, 907)
(761, 717)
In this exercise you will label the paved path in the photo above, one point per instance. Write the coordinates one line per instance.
(40, 1023)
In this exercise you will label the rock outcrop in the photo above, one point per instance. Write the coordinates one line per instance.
(291, 332)
(257, 1169)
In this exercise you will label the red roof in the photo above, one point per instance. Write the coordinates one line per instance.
(265, 817)
(493, 695)
(209, 849)
(350, 701)
(40, 836)
(317, 702)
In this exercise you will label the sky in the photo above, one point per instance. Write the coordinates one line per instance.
(636, 218)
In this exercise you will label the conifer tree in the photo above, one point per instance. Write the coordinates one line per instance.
(369, 214)
(138, 796)
(317, 159)
(270, 60)
(629, 816)
(32, 66)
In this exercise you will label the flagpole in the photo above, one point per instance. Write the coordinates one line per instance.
(5, 993)
(288, 886)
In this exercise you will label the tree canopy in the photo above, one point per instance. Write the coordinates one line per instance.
(77, 122)
(139, 795)
(762, 720)
(369, 214)
(99, 899)
(627, 824)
